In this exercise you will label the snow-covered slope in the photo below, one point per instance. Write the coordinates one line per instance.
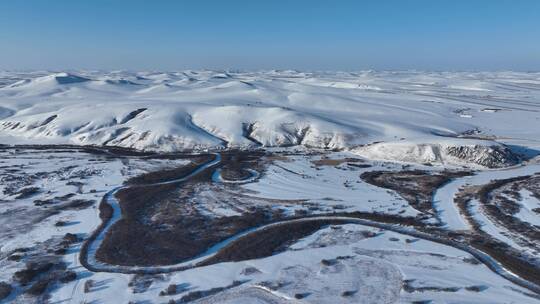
(412, 112)
(454, 152)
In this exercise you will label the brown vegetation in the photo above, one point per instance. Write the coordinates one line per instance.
(267, 241)
(157, 229)
(501, 209)
(335, 162)
(415, 186)
(235, 163)
(509, 259)
(171, 174)
(5, 290)
(503, 253)
(195, 295)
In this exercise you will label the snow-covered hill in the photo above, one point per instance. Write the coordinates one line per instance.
(453, 152)
(413, 113)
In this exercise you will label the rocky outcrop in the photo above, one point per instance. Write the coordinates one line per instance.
(443, 151)
(494, 156)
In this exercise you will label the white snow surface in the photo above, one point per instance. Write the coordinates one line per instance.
(373, 268)
(388, 117)
(172, 111)
(528, 204)
(444, 196)
(473, 152)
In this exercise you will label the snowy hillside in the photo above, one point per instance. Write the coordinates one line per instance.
(450, 152)
(368, 187)
(411, 112)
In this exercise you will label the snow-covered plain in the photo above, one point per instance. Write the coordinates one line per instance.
(430, 121)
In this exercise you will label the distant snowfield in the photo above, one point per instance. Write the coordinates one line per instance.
(409, 113)
(381, 120)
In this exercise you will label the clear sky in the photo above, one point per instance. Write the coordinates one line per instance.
(270, 34)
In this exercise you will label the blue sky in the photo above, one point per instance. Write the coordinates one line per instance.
(306, 35)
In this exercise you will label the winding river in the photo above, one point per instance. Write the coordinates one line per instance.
(443, 200)
(444, 194)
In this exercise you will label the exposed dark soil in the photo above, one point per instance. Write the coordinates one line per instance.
(235, 163)
(416, 186)
(336, 162)
(408, 287)
(509, 257)
(5, 290)
(274, 239)
(267, 241)
(41, 273)
(158, 227)
(132, 243)
(146, 237)
(170, 174)
(500, 200)
(107, 151)
(27, 192)
(142, 282)
(384, 218)
(195, 295)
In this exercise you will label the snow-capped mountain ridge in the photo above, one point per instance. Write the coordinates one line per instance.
(190, 110)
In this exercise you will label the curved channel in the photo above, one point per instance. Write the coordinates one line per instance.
(89, 261)
(218, 178)
(443, 200)
(90, 247)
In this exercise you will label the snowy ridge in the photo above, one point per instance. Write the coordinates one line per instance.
(455, 152)
(198, 110)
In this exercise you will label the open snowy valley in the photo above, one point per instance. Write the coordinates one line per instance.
(269, 187)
